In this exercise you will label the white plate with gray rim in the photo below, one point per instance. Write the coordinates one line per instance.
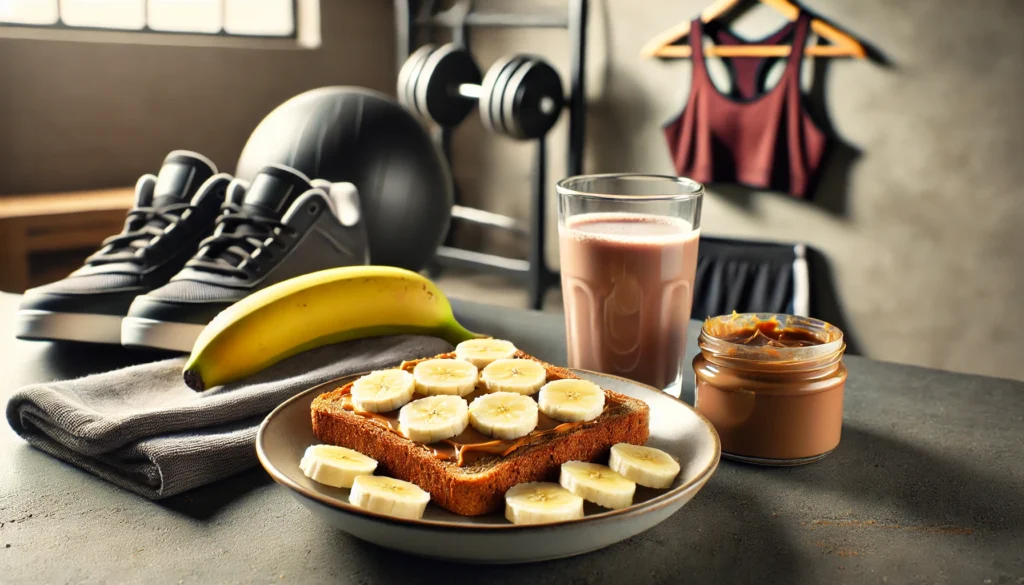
(675, 428)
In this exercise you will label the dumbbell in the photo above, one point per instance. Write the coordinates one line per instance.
(521, 96)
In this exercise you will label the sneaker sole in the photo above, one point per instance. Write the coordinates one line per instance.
(142, 332)
(52, 326)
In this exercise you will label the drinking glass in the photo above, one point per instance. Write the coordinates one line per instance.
(628, 251)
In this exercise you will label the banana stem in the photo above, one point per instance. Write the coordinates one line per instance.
(455, 333)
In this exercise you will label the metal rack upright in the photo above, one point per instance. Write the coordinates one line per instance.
(413, 15)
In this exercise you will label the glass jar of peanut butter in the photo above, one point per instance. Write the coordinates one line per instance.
(772, 385)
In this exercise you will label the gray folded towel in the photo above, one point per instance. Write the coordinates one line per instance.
(142, 429)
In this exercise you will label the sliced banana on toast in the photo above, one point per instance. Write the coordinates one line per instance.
(383, 390)
(503, 415)
(597, 483)
(540, 503)
(481, 352)
(571, 400)
(646, 466)
(335, 466)
(434, 418)
(441, 376)
(386, 495)
(512, 375)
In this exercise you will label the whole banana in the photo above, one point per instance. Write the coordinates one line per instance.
(318, 309)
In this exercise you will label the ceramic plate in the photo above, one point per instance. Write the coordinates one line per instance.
(675, 428)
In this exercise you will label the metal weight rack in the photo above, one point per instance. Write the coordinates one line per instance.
(413, 15)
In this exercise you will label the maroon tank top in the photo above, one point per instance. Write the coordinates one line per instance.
(761, 139)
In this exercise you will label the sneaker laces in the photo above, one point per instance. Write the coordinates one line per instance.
(131, 244)
(240, 236)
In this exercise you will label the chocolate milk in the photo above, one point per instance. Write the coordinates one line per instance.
(627, 285)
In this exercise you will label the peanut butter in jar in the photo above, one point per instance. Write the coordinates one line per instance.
(772, 385)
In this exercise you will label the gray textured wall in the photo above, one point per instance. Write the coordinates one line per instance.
(920, 215)
(81, 115)
(922, 227)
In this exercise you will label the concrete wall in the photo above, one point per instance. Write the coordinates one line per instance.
(82, 115)
(920, 213)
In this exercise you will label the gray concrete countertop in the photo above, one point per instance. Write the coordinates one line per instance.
(926, 487)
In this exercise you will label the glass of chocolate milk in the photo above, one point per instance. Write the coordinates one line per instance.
(628, 251)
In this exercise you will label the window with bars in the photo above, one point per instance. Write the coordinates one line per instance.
(245, 18)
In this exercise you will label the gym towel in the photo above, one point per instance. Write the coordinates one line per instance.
(142, 429)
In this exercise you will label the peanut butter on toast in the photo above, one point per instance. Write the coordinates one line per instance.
(470, 474)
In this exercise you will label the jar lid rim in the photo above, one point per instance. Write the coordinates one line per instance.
(714, 326)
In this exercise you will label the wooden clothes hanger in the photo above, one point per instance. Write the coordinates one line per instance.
(843, 45)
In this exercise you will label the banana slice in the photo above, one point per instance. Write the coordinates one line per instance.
(503, 415)
(481, 352)
(444, 376)
(541, 502)
(335, 466)
(646, 466)
(571, 400)
(386, 495)
(434, 418)
(511, 375)
(383, 390)
(597, 483)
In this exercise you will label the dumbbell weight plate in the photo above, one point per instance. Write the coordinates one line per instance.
(436, 87)
(532, 100)
(496, 94)
(407, 76)
(489, 98)
(501, 90)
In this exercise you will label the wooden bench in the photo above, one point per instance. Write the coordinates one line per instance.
(44, 237)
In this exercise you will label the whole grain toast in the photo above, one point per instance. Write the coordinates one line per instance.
(479, 487)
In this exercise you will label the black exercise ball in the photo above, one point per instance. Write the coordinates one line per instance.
(365, 138)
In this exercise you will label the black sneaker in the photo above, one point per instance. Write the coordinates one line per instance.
(281, 226)
(173, 212)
